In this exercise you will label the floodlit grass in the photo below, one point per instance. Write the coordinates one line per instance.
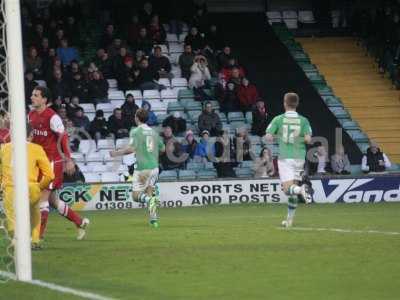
(223, 252)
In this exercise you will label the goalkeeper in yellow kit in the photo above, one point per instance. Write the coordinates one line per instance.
(40, 175)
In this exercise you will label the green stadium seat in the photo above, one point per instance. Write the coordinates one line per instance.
(247, 164)
(244, 172)
(192, 106)
(235, 116)
(249, 117)
(206, 174)
(185, 94)
(323, 89)
(170, 175)
(300, 56)
(222, 117)
(209, 165)
(332, 101)
(350, 125)
(187, 175)
(340, 112)
(161, 118)
(358, 136)
(316, 78)
(394, 168)
(355, 169)
(255, 139)
(194, 116)
(175, 106)
(363, 147)
(195, 166)
(214, 104)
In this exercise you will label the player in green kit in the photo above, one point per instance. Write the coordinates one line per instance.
(293, 132)
(146, 144)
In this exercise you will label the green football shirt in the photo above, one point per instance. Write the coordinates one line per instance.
(147, 145)
(290, 129)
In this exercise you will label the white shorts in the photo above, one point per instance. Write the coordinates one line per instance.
(143, 179)
(290, 169)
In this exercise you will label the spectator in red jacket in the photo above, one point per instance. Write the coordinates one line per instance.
(232, 65)
(247, 94)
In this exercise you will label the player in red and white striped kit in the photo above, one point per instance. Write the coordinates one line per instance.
(49, 132)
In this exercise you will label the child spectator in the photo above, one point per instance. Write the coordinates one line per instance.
(152, 118)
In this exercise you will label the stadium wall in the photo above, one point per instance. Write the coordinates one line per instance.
(109, 196)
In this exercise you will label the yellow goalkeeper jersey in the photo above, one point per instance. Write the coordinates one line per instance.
(38, 165)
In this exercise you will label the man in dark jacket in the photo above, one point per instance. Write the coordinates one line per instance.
(80, 120)
(160, 64)
(186, 60)
(209, 120)
(59, 86)
(129, 109)
(260, 119)
(79, 87)
(99, 127)
(117, 125)
(176, 122)
(98, 88)
(375, 160)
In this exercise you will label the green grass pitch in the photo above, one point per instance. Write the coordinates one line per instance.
(223, 252)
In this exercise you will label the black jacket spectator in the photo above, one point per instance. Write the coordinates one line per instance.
(224, 57)
(60, 87)
(127, 75)
(374, 160)
(159, 63)
(106, 66)
(209, 120)
(186, 60)
(79, 88)
(117, 125)
(144, 42)
(108, 36)
(80, 120)
(99, 126)
(260, 119)
(156, 31)
(176, 122)
(214, 39)
(129, 109)
(98, 88)
(195, 40)
(228, 99)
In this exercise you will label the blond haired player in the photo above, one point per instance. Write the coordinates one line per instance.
(38, 164)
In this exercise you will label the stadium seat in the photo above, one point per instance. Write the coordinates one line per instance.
(105, 107)
(87, 146)
(195, 166)
(214, 105)
(192, 105)
(151, 94)
(105, 144)
(94, 156)
(306, 17)
(274, 17)
(137, 94)
(363, 147)
(315, 78)
(129, 159)
(92, 177)
(187, 175)
(243, 172)
(169, 94)
(161, 118)
(350, 125)
(98, 167)
(119, 103)
(179, 82)
(87, 107)
(324, 90)
(339, 112)
(247, 164)
(175, 48)
(116, 95)
(249, 117)
(84, 168)
(209, 165)
(235, 126)
(332, 101)
(185, 94)
(222, 117)
(394, 168)
(255, 139)
(170, 175)
(358, 136)
(90, 116)
(176, 71)
(165, 82)
(175, 106)
(41, 83)
(108, 158)
(77, 157)
(355, 170)
(121, 143)
(206, 174)
(158, 106)
(107, 115)
(112, 84)
(300, 57)
(110, 177)
(194, 116)
(172, 37)
(235, 116)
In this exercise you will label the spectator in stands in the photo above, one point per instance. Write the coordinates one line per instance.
(248, 95)
(224, 56)
(191, 147)
(72, 107)
(62, 112)
(114, 48)
(127, 75)
(176, 123)
(44, 48)
(200, 20)
(195, 39)
(98, 88)
(72, 31)
(340, 162)
(228, 69)
(67, 53)
(260, 119)
(99, 126)
(200, 75)
(186, 60)
(160, 64)
(236, 77)
(152, 117)
(144, 42)
(48, 65)
(108, 36)
(117, 125)
(209, 120)
(34, 63)
(72, 69)
(222, 156)
(172, 157)
(213, 38)
(320, 163)
(129, 109)
(119, 60)
(375, 160)
(80, 120)
(30, 85)
(229, 100)
(209, 54)
(79, 87)
(202, 147)
(133, 30)
(264, 165)
(156, 30)
(146, 13)
(106, 65)
(37, 35)
(59, 86)
(242, 145)
(147, 77)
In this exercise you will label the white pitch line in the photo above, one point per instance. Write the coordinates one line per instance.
(341, 230)
(58, 288)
